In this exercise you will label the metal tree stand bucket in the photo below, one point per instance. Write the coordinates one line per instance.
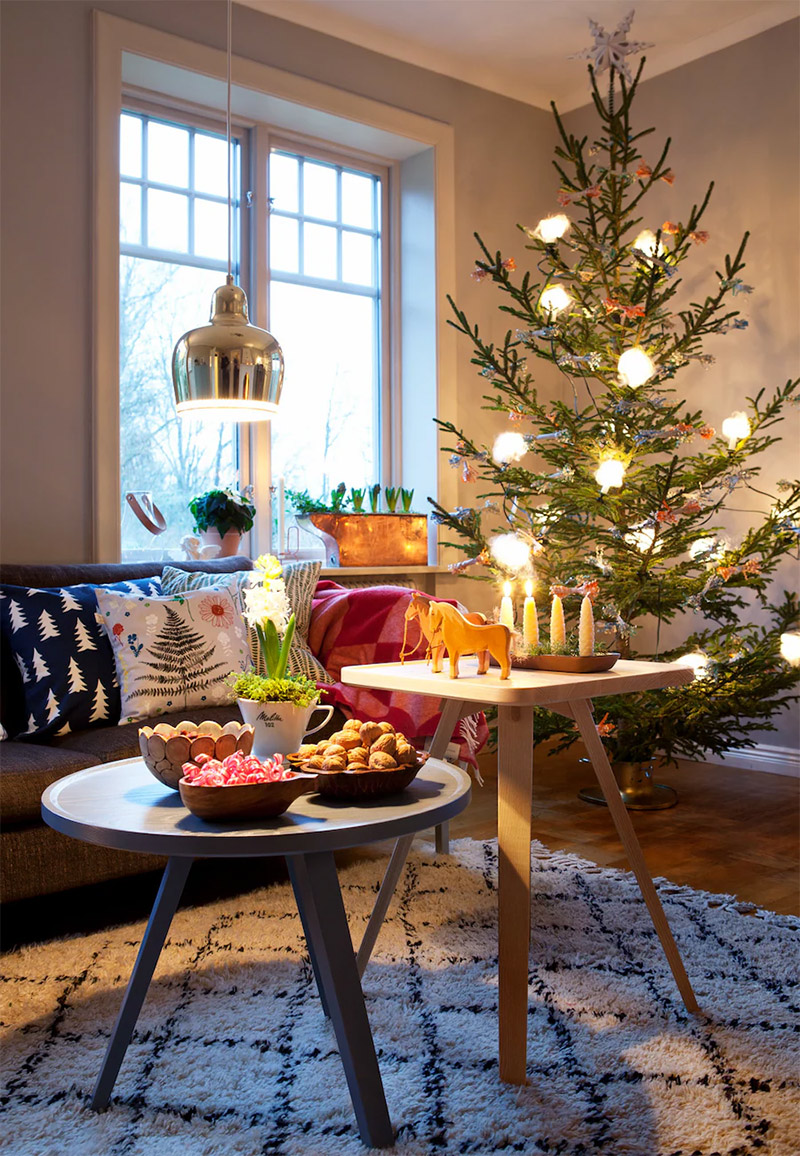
(636, 786)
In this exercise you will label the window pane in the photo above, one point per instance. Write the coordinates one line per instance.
(283, 183)
(319, 191)
(210, 165)
(357, 200)
(130, 146)
(319, 251)
(167, 221)
(130, 213)
(357, 258)
(324, 432)
(173, 458)
(283, 244)
(210, 229)
(167, 154)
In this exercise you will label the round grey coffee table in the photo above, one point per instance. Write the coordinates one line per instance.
(121, 805)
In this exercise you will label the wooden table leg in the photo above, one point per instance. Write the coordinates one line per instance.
(393, 873)
(316, 889)
(164, 908)
(622, 821)
(451, 712)
(514, 786)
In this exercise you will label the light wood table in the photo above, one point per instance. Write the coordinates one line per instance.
(515, 699)
(122, 805)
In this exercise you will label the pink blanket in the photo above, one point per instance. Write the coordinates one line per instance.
(351, 627)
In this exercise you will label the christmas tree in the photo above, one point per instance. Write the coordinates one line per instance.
(619, 491)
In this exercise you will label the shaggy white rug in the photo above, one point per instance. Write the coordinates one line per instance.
(233, 1055)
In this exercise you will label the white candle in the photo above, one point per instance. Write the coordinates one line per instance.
(281, 516)
(586, 628)
(558, 628)
(507, 607)
(530, 623)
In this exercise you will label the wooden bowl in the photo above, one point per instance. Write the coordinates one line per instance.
(248, 801)
(365, 784)
(566, 663)
(165, 749)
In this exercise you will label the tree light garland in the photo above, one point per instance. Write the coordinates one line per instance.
(510, 551)
(646, 243)
(635, 367)
(610, 474)
(509, 447)
(555, 300)
(736, 428)
(552, 229)
(697, 661)
(790, 648)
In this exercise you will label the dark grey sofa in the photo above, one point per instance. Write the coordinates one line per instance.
(34, 859)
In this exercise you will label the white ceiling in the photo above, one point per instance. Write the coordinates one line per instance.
(520, 47)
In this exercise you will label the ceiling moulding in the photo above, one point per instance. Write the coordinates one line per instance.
(471, 67)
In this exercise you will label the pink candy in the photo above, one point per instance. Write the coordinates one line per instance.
(235, 771)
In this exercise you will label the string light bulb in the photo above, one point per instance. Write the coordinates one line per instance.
(552, 229)
(509, 446)
(790, 648)
(646, 243)
(635, 367)
(702, 546)
(736, 428)
(610, 474)
(555, 300)
(510, 551)
(697, 661)
(644, 539)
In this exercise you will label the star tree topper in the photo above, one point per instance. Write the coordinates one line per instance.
(611, 48)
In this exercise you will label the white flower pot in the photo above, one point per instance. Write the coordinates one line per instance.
(228, 546)
(279, 727)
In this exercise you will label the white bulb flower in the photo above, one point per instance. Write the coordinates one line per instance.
(697, 661)
(635, 367)
(736, 428)
(267, 602)
(790, 648)
(510, 551)
(509, 447)
(555, 300)
(551, 229)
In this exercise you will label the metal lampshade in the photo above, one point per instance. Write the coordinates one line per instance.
(229, 368)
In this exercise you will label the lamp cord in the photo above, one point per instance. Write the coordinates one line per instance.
(228, 135)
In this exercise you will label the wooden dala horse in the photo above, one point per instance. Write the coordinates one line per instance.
(446, 628)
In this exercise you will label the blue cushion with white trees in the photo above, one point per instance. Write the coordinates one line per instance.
(64, 655)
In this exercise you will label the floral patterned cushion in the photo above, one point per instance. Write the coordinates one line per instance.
(173, 652)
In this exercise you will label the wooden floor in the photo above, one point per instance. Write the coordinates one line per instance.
(732, 831)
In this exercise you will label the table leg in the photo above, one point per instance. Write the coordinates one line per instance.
(316, 889)
(451, 712)
(622, 821)
(164, 908)
(514, 786)
(390, 879)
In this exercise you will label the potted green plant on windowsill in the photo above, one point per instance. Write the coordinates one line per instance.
(279, 705)
(221, 517)
(361, 538)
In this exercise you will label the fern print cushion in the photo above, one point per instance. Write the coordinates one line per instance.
(173, 652)
(301, 581)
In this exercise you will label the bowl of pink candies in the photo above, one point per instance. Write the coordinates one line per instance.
(241, 787)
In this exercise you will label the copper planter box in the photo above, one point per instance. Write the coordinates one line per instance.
(377, 539)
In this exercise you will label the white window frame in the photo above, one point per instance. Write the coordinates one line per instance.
(419, 149)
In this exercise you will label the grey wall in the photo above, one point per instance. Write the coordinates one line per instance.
(45, 132)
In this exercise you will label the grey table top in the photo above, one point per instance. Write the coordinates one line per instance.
(122, 805)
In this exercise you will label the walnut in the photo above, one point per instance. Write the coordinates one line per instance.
(352, 724)
(357, 768)
(380, 761)
(386, 728)
(323, 746)
(314, 763)
(406, 754)
(357, 755)
(385, 743)
(399, 737)
(333, 766)
(334, 751)
(369, 732)
(346, 739)
(306, 750)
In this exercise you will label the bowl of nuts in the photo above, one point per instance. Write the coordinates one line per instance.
(363, 760)
(166, 748)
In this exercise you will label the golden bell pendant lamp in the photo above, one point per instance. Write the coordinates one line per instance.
(229, 368)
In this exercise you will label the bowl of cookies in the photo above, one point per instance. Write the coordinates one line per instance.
(364, 760)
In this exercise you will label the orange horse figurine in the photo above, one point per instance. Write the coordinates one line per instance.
(419, 608)
(451, 630)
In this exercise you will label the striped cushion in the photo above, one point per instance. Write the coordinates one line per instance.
(301, 580)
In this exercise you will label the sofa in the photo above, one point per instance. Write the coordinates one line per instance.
(34, 859)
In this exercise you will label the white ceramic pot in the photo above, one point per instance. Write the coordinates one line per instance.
(228, 546)
(279, 727)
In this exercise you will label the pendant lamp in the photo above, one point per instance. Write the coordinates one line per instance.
(229, 368)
